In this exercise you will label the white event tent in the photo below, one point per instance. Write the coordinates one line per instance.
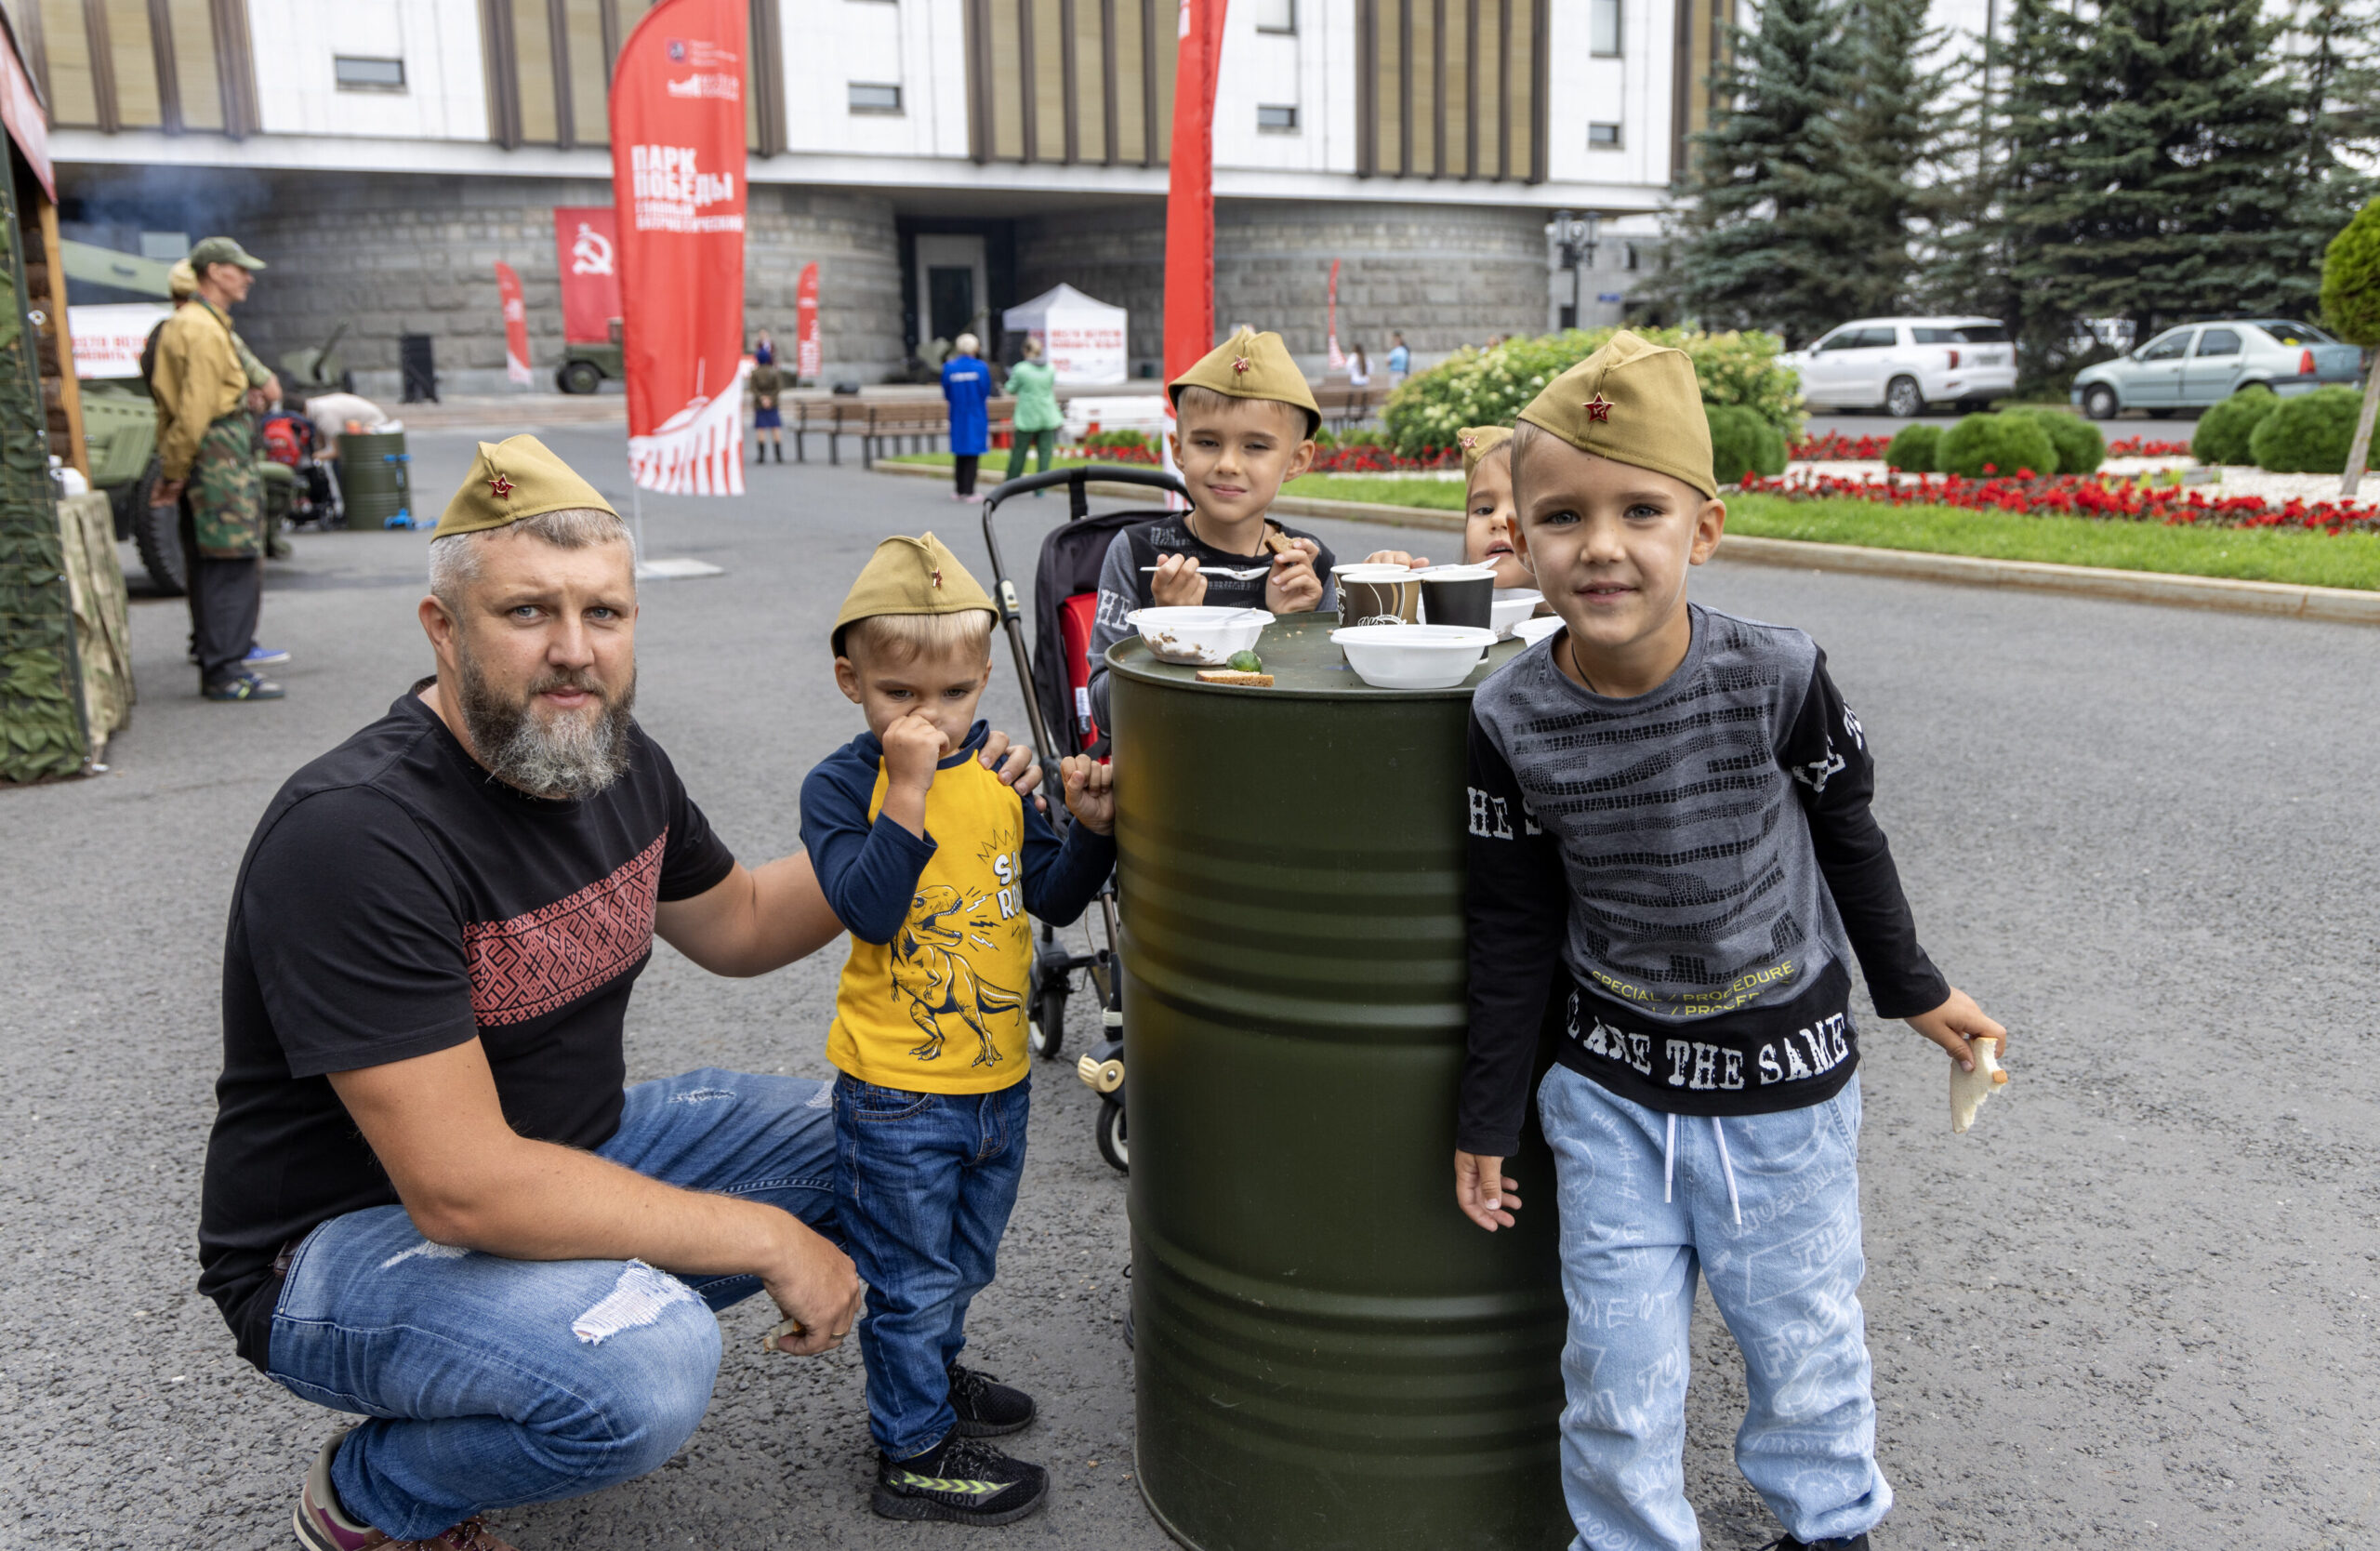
(1082, 337)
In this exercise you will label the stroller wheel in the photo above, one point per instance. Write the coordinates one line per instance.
(1112, 1145)
(1045, 1030)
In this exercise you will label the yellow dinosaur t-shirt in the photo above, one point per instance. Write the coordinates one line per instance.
(941, 1008)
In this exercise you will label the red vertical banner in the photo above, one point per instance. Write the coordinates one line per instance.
(1190, 195)
(587, 256)
(677, 184)
(516, 323)
(1338, 356)
(808, 359)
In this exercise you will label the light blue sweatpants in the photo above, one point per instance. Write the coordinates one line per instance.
(1767, 1208)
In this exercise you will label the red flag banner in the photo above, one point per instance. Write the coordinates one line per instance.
(1190, 194)
(678, 183)
(516, 323)
(1338, 356)
(586, 255)
(807, 357)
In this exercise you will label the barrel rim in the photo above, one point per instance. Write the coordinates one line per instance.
(1132, 658)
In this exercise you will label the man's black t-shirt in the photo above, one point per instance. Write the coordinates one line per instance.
(397, 900)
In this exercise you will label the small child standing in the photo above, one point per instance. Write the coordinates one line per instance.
(1676, 802)
(934, 866)
(1487, 510)
(1245, 422)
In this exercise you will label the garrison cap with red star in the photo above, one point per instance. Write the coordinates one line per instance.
(514, 479)
(1253, 365)
(1633, 401)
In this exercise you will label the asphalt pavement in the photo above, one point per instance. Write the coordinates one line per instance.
(2134, 1307)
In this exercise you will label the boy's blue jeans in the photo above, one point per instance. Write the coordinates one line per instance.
(1767, 1208)
(926, 1183)
(491, 1383)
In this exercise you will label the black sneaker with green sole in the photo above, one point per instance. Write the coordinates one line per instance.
(987, 1408)
(960, 1480)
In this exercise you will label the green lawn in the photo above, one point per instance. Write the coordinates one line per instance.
(2246, 554)
(1431, 495)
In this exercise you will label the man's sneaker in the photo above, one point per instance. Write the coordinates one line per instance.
(265, 656)
(320, 1525)
(1848, 1542)
(247, 686)
(986, 1408)
(961, 1481)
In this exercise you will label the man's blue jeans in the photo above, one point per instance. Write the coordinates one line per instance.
(926, 1183)
(491, 1383)
(1767, 1209)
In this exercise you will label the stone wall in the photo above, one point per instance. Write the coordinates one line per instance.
(393, 255)
(1444, 275)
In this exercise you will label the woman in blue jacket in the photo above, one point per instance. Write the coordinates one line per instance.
(967, 385)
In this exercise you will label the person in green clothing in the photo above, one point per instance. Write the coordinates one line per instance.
(1035, 386)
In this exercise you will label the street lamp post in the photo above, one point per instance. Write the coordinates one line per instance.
(1571, 242)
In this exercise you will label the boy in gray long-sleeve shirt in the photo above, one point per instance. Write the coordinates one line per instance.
(1674, 804)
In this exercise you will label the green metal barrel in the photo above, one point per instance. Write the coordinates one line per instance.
(1328, 1354)
(376, 478)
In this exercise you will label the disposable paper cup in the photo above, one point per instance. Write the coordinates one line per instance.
(1377, 594)
(1458, 595)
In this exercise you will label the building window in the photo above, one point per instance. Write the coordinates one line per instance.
(1603, 137)
(1276, 16)
(1629, 258)
(1603, 27)
(874, 97)
(1277, 119)
(362, 75)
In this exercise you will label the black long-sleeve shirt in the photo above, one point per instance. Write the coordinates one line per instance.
(1703, 861)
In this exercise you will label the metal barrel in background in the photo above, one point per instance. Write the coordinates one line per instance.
(1328, 1354)
(374, 477)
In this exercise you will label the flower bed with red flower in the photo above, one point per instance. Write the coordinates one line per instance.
(2142, 446)
(1832, 447)
(2109, 500)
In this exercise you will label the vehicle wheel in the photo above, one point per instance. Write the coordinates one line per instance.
(2099, 402)
(1903, 400)
(1045, 1029)
(157, 533)
(1112, 1145)
(2161, 414)
(2245, 386)
(579, 376)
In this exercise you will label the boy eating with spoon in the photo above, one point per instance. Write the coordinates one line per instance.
(1245, 422)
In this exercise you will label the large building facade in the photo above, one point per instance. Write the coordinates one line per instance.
(939, 159)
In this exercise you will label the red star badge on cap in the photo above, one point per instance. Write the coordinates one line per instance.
(1597, 409)
(1468, 439)
(501, 487)
(1240, 365)
(937, 576)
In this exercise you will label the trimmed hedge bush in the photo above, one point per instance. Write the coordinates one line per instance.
(1998, 446)
(1741, 442)
(2223, 432)
(1915, 449)
(2081, 449)
(2309, 434)
(1491, 387)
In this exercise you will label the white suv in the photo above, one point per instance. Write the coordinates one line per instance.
(1905, 364)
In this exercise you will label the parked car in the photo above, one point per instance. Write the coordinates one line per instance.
(2202, 363)
(1905, 364)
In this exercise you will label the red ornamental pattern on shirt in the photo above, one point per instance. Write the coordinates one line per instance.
(527, 966)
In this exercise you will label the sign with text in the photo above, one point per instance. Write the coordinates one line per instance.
(516, 323)
(808, 358)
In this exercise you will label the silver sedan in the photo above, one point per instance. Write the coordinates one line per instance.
(2198, 364)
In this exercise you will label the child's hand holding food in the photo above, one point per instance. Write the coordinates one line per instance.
(1176, 582)
(1091, 792)
(1293, 588)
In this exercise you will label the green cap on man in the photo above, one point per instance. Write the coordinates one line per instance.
(221, 250)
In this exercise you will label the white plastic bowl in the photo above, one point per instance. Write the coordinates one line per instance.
(1413, 657)
(1513, 605)
(1531, 632)
(1207, 637)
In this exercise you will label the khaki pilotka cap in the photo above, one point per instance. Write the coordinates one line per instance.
(516, 477)
(910, 575)
(1253, 365)
(1478, 442)
(221, 250)
(1633, 401)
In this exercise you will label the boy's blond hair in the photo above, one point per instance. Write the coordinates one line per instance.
(1193, 397)
(893, 639)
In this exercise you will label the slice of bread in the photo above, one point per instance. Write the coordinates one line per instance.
(1233, 676)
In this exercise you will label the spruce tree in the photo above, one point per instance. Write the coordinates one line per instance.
(1890, 135)
(2337, 71)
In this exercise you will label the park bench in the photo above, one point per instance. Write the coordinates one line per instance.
(1344, 406)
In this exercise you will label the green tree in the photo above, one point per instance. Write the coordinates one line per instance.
(1890, 134)
(2351, 306)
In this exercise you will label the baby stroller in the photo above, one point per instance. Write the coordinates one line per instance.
(291, 441)
(1056, 672)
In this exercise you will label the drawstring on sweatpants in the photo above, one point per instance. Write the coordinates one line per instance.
(1727, 1166)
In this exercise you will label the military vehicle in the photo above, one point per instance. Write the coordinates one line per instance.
(586, 363)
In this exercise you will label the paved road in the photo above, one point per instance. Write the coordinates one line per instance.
(2135, 1308)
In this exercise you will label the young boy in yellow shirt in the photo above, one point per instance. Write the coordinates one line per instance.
(934, 866)
(1673, 803)
(1245, 422)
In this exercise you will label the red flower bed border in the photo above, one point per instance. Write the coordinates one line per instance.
(1834, 447)
(2079, 496)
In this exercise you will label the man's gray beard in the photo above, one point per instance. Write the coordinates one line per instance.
(563, 757)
